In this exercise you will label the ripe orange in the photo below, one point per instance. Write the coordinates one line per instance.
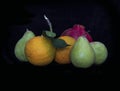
(40, 51)
(63, 54)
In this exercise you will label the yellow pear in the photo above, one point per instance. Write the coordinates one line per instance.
(82, 54)
(19, 49)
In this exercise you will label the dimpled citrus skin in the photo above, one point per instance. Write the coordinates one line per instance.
(63, 54)
(40, 51)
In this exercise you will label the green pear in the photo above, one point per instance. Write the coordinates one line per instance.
(20, 45)
(82, 54)
(101, 52)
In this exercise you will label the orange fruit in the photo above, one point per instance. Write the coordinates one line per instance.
(63, 54)
(40, 51)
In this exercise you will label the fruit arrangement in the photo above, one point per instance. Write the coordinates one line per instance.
(75, 45)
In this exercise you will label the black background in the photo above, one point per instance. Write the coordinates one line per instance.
(100, 17)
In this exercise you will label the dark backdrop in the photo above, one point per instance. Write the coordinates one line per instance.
(100, 17)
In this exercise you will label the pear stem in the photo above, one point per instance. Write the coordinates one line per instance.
(49, 23)
(85, 34)
(88, 31)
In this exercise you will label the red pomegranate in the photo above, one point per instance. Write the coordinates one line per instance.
(76, 31)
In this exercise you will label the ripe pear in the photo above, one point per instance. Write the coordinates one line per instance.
(101, 52)
(20, 45)
(82, 54)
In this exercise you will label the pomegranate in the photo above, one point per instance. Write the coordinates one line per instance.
(76, 31)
